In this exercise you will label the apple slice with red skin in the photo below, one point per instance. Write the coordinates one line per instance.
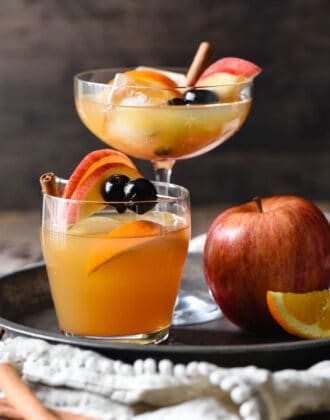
(90, 190)
(232, 65)
(226, 77)
(90, 163)
(279, 243)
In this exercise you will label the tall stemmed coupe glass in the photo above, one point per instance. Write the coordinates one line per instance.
(148, 120)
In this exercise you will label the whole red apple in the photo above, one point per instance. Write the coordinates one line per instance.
(279, 243)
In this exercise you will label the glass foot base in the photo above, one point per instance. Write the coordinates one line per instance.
(194, 304)
(145, 338)
(191, 309)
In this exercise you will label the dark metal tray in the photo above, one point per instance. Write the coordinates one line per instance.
(26, 309)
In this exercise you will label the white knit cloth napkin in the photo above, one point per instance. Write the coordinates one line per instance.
(84, 382)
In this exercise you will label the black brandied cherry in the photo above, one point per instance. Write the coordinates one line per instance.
(196, 97)
(113, 190)
(200, 96)
(176, 101)
(137, 191)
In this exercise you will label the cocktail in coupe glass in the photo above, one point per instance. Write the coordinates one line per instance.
(115, 276)
(137, 119)
(148, 117)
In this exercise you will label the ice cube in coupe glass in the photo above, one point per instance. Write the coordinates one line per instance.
(130, 91)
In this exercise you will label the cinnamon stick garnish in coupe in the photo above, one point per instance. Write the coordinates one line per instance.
(48, 184)
(199, 63)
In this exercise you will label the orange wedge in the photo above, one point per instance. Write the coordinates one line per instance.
(151, 77)
(125, 237)
(137, 228)
(305, 315)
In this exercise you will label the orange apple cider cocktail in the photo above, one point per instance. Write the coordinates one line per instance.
(142, 113)
(114, 269)
(104, 284)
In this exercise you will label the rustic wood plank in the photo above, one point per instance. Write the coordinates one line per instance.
(43, 43)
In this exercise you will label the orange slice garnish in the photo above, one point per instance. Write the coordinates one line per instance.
(137, 228)
(129, 235)
(151, 77)
(305, 315)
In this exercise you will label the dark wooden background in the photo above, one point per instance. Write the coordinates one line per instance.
(283, 148)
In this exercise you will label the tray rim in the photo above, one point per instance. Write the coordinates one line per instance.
(189, 349)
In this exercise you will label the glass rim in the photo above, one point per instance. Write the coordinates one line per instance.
(162, 198)
(78, 77)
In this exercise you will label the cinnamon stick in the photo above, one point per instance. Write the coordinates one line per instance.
(199, 63)
(9, 412)
(48, 184)
(20, 396)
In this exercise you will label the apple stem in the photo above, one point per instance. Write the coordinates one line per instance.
(257, 200)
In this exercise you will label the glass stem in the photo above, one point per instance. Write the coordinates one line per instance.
(163, 169)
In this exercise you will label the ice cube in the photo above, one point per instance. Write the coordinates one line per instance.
(137, 99)
(128, 91)
(178, 78)
(164, 218)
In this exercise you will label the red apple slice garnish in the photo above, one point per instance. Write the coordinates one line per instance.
(227, 86)
(90, 163)
(232, 65)
(226, 77)
(90, 190)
